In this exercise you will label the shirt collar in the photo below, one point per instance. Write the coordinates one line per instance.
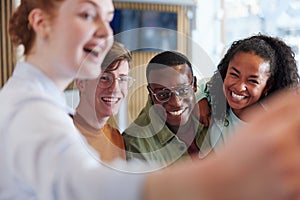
(165, 134)
(235, 118)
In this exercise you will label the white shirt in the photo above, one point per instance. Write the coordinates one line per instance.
(220, 134)
(41, 156)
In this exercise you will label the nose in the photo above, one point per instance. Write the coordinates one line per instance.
(241, 86)
(115, 86)
(103, 30)
(174, 99)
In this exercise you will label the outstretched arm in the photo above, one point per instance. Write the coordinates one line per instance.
(261, 162)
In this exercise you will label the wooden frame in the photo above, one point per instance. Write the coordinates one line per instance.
(7, 52)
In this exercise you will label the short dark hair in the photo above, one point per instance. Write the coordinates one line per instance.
(167, 59)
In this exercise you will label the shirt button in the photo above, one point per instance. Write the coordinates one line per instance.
(182, 148)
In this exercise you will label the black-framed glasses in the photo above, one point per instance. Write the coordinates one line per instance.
(164, 94)
(106, 79)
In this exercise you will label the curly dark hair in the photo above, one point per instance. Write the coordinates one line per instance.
(283, 69)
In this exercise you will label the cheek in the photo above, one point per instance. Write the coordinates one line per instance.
(259, 89)
(190, 101)
(225, 85)
(98, 92)
(228, 81)
(72, 41)
(258, 92)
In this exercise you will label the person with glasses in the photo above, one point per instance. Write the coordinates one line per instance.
(42, 158)
(100, 99)
(166, 131)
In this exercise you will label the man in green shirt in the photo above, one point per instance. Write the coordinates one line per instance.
(166, 130)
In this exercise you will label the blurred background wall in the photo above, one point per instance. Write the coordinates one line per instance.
(201, 29)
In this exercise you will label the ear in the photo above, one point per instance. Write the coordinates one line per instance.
(80, 84)
(150, 94)
(266, 90)
(39, 20)
(195, 84)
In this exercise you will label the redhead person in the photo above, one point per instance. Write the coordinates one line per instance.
(252, 69)
(42, 156)
(100, 99)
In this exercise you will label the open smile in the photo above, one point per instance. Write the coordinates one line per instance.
(110, 99)
(177, 112)
(237, 96)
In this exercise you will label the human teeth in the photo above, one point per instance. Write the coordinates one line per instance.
(96, 49)
(179, 112)
(236, 96)
(110, 99)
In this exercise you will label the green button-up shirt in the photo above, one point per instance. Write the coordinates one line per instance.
(148, 138)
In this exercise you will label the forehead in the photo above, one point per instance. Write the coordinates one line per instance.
(171, 76)
(249, 62)
(105, 7)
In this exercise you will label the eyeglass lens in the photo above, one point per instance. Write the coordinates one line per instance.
(107, 79)
(165, 94)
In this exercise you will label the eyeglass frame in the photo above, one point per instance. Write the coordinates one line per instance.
(114, 78)
(172, 90)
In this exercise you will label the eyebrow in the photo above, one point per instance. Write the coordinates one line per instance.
(90, 2)
(237, 71)
(111, 12)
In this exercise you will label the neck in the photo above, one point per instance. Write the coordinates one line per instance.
(239, 113)
(183, 128)
(91, 118)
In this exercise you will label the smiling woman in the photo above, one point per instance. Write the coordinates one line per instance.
(252, 69)
(33, 104)
(86, 18)
(41, 151)
(245, 81)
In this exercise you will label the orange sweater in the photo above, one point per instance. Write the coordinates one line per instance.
(107, 141)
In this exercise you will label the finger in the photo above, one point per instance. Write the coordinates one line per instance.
(205, 121)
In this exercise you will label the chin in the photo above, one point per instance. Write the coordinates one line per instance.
(175, 122)
(237, 107)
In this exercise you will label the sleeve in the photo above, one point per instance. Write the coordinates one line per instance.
(202, 89)
(49, 161)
